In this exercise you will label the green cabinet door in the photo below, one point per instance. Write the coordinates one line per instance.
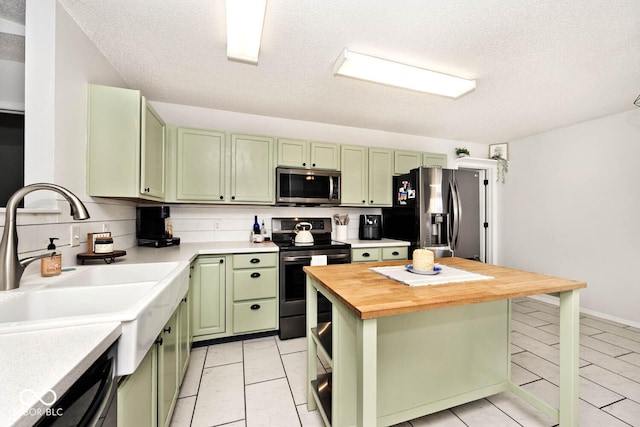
(200, 165)
(404, 161)
(353, 166)
(184, 336)
(153, 149)
(126, 145)
(325, 155)
(293, 153)
(209, 283)
(434, 160)
(168, 371)
(138, 394)
(252, 169)
(380, 176)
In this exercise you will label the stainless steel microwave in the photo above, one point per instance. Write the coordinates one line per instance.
(307, 187)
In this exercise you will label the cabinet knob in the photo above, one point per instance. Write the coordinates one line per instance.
(304, 164)
(255, 275)
(184, 299)
(233, 197)
(364, 201)
(221, 197)
(370, 201)
(255, 307)
(254, 260)
(395, 253)
(159, 341)
(221, 261)
(366, 254)
(167, 330)
(313, 165)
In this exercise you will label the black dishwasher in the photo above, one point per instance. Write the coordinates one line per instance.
(91, 400)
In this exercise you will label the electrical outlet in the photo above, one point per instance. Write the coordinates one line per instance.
(74, 235)
(105, 227)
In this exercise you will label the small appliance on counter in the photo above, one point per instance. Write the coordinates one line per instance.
(153, 227)
(370, 227)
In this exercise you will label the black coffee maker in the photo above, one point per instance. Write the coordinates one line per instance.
(370, 227)
(153, 227)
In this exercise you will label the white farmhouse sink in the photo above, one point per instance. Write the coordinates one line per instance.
(140, 296)
(119, 273)
(52, 303)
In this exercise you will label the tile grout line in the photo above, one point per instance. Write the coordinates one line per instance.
(284, 369)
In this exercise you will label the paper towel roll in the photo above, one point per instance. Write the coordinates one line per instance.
(318, 260)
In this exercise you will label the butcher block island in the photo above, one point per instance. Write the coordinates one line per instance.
(398, 352)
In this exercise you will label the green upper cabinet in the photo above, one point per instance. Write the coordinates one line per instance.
(293, 153)
(434, 160)
(354, 177)
(308, 154)
(367, 175)
(125, 152)
(200, 158)
(252, 169)
(380, 176)
(404, 161)
(153, 149)
(325, 155)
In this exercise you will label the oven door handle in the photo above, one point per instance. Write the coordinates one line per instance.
(308, 258)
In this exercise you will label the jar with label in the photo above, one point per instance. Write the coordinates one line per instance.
(103, 245)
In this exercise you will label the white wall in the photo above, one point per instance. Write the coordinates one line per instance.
(571, 208)
(60, 61)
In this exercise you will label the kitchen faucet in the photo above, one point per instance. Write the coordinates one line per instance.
(12, 267)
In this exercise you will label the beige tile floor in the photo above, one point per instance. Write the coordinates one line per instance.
(260, 382)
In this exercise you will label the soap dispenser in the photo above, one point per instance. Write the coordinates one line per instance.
(51, 265)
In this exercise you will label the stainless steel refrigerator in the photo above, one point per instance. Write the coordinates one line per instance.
(439, 209)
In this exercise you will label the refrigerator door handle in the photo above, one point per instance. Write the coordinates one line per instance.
(457, 215)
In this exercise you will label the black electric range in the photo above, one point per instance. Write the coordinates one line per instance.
(292, 284)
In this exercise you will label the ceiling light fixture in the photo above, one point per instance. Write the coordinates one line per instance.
(372, 69)
(245, 19)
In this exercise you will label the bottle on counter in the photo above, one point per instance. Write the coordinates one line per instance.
(263, 229)
(169, 231)
(256, 226)
(51, 265)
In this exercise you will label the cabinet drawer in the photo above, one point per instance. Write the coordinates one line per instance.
(398, 252)
(254, 283)
(255, 315)
(365, 254)
(255, 260)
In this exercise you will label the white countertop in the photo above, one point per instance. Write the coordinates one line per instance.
(36, 363)
(382, 243)
(190, 251)
(53, 359)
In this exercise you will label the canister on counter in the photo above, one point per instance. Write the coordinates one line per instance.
(103, 245)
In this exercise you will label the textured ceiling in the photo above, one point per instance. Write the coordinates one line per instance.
(11, 44)
(540, 64)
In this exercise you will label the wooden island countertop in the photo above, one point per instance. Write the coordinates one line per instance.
(372, 295)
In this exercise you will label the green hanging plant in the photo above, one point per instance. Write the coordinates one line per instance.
(498, 152)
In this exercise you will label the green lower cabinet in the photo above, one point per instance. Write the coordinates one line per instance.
(168, 352)
(372, 254)
(138, 394)
(208, 283)
(255, 315)
(234, 294)
(148, 397)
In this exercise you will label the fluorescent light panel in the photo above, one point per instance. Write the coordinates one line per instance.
(245, 19)
(372, 69)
